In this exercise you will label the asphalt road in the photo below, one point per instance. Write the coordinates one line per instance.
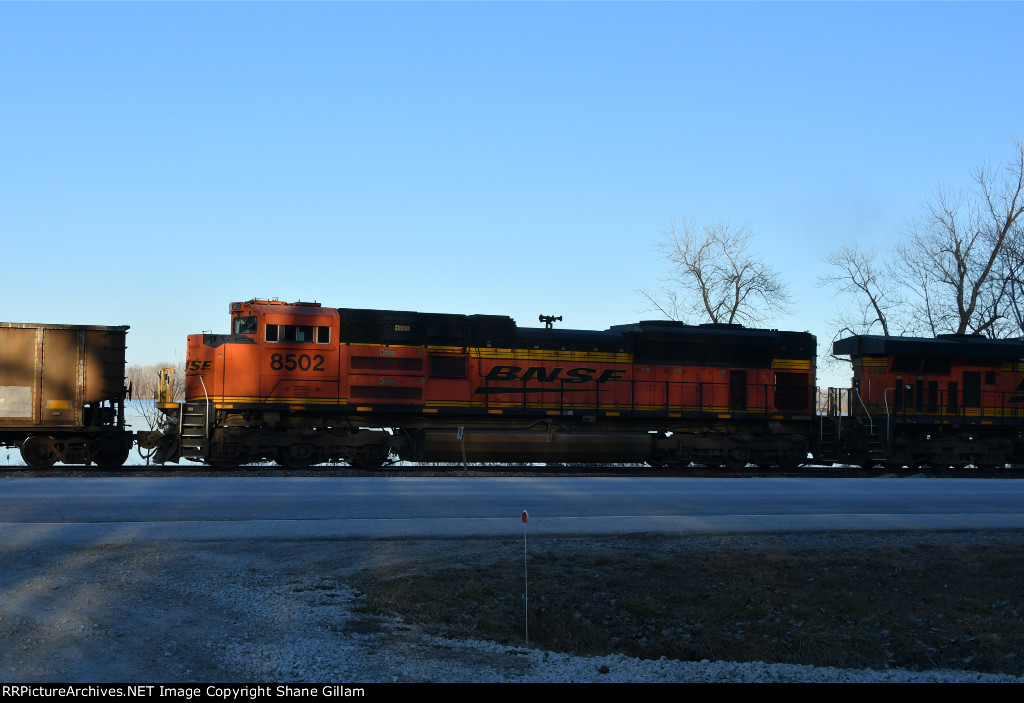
(200, 508)
(204, 579)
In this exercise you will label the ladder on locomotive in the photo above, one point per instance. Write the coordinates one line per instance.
(841, 410)
(193, 418)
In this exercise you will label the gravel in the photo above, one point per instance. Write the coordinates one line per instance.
(282, 611)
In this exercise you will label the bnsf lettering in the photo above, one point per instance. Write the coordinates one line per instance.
(299, 362)
(194, 366)
(545, 375)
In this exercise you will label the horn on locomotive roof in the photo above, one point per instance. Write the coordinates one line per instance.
(549, 320)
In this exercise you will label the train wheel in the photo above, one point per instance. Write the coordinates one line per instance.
(791, 460)
(226, 455)
(111, 452)
(368, 458)
(296, 457)
(39, 452)
(737, 458)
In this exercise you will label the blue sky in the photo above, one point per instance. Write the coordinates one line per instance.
(160, 160)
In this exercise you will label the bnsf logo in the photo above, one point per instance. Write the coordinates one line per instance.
(194, 366)
(544, 375)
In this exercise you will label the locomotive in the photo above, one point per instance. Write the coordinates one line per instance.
(948, 401)
(301, 384)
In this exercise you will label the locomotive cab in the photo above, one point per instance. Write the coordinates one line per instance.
(269, 390)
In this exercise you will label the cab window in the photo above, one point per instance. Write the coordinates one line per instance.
(244, 325)
(298, 334)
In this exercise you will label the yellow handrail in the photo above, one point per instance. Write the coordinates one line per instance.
(165, 392)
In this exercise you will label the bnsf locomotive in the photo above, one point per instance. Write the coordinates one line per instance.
(951, 401)
(301, 384)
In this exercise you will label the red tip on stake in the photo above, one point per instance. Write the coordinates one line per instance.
(525, 516)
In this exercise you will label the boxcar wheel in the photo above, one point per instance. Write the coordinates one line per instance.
(111, 453)
(39, 452)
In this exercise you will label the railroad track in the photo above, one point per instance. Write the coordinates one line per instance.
(270, 470)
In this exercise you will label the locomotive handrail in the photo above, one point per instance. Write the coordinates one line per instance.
(206, 410)
(270, 393)
(871, 422)
(888, 420)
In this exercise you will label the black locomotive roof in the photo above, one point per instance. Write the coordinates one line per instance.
(658, 341)
(718, 334)
(676, 343)
(943, 345)
(569, 340)
(663, 341)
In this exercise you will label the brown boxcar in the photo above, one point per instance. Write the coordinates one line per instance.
(62, 393)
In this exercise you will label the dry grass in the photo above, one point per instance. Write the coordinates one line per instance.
(915, 601)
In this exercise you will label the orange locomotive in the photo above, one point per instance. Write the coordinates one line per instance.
(949, 401)
(302, 384)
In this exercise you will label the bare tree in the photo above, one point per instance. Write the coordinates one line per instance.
(957, 270)
(960, 258)
(144, 382)
(715, 278)
(1015, 307)
(857, 273)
